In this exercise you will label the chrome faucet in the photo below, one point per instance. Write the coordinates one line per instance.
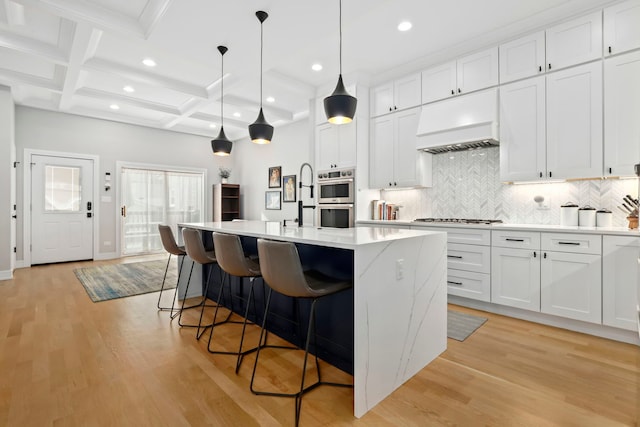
(302, 206)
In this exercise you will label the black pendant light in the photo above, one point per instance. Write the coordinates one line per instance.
(221, 145)
(260, 131)
(340, 107)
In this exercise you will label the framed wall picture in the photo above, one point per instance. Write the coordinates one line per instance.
(275, 173)
(289, 188)
(272, 200)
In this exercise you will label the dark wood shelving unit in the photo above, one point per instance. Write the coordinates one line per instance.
(226, 202)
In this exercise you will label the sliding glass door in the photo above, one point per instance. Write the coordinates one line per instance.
(151, 197)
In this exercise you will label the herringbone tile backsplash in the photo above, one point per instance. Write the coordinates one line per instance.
(466, 184)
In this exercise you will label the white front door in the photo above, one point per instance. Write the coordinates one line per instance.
(62, 209)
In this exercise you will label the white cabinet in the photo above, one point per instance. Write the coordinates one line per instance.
(574, 122)
(394, 160)
(570, 276)
(336, 146)
(574, 42)
(621, 29)
(521, 58)
(467, 74)
(621, 114)
(468, 262)
(515, 269)
(522, 130)
(397, 95)
(619, 281)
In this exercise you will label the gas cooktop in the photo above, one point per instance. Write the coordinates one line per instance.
(460, 220)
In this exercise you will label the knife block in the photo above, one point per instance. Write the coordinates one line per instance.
(633, 222)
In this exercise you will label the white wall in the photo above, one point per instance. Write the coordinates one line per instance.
(291, 146)
(111, 141)
(6, 181)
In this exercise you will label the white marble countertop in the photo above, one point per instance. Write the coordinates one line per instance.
(345, 238)
(615, 231)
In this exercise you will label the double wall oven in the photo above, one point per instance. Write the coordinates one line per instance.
(336, 196)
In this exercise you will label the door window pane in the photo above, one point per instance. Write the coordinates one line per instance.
(62, 189)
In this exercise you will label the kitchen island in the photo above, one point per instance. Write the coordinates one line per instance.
(399, 314)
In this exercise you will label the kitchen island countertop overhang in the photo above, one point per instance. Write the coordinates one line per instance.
(399, 297)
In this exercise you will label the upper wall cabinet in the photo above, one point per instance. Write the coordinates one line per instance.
(621, 113)
(397, 95)
(522, 58)
(467, 74)
(574, 42)
(336, 145)
(574, 122)
(523, 155)
(622, 27)
(394, 161)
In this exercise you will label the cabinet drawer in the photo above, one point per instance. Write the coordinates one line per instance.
(516, 239)
(470, 236)
(469, 257)
(469, 285)
(575, 243)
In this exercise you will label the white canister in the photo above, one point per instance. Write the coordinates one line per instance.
(569, 214)
(587, 216)
(604, 218)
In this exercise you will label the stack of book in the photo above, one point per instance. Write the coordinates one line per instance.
(382, 210)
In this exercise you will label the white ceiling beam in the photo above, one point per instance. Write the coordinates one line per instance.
(10, 78)
(91, 13)
(32, 47)
(14, 13)
(101, 95)
(152, 14)
(290, 83)
(277, 113)
(115, 117)
(85, 42)
(143, 77)
(214, 118)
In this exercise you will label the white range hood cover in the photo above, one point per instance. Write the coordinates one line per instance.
(459, 123)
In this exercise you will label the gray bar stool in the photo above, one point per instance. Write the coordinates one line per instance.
(234, 262)
(195, 249)
(282, 270)
(170, 245)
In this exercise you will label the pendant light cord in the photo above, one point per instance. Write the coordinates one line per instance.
(340, 37)
(222, 93)
(261, 49)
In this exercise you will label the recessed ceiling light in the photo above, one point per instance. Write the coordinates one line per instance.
(149, 62)
(271, 99)
(114, 106)
(212, 125)
(128, 89)
(316, 67)
(236, 114)
(404, 26)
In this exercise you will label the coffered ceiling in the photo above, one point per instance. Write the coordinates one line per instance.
(77, 56)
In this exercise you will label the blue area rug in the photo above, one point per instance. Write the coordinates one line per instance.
(124, 280)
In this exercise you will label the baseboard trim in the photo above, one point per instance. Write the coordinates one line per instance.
(21, 264)
(616, 334)
(6, 274)
(105, 256)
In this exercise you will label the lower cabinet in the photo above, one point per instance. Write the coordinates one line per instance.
(620, 281)
(571, 285)
(515, 276)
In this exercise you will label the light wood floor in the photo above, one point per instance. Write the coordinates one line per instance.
(66, 361)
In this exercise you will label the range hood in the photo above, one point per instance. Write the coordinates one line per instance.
(459, 123)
